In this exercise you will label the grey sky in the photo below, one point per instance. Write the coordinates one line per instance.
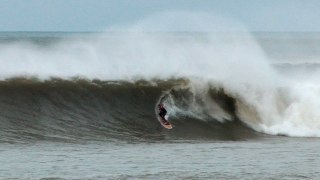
(96, 15)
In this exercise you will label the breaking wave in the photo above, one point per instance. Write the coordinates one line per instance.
(214, 85)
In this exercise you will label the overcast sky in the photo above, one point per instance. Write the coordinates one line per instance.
(97, 15)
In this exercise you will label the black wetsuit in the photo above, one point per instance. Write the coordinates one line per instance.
(162, 112)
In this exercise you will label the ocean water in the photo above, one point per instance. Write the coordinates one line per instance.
(83, 105)
(274, 158)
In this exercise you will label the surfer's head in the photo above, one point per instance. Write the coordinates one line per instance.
(160, 105)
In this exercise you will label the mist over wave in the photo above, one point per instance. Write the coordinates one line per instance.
(221, 55)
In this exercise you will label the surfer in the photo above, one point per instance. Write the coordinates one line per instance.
(162, 119)
(162, 110)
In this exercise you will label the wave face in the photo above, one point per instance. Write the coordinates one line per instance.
(65, 110)
(69, 86)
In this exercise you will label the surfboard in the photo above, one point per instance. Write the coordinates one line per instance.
(165, 123)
